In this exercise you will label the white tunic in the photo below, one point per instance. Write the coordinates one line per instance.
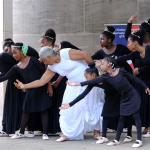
(86, 114)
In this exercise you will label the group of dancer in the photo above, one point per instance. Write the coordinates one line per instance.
(36, 87)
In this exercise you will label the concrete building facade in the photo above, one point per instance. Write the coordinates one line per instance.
(77, 21)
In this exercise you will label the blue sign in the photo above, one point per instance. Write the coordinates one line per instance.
(119, 33)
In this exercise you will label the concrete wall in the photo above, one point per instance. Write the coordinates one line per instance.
(77, 21)
(6, 30)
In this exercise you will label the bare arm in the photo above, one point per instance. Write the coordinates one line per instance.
(80, 55)
(56, 83)
(47, 76)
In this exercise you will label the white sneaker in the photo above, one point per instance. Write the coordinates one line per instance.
(45, 137)
(18, 136)
(128, 139)
(3, 134)
(102, 140)
(146, 135)
(113, 143)
(110, 130)
(30, 134)
(124, 130)
(137, 144)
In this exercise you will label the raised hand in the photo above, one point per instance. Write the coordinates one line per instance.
(133, 18)
(64, 106)
(147, 91)
(97, 63)
(19, 85)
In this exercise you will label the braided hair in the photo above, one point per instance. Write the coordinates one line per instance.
(111, 61)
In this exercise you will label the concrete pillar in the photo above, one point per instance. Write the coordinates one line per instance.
(6, 30)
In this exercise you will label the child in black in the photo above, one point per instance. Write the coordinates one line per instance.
(130, 101)
(36, 100)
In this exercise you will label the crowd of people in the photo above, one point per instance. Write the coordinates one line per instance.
(37, 97)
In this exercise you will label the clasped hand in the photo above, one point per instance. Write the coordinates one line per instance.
(19, 85)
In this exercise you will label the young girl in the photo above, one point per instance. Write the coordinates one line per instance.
(135, 41)
(92, 73)
(36, 100)
(112, 100)
(130, 101)
(142, 73)
(13, 100)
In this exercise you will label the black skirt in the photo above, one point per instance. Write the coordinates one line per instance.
(37, 100)
(57, 97)
(12, 110)
(145, 99)
(112, 104)
(111, 108)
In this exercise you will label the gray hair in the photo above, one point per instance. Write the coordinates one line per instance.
(47, 51)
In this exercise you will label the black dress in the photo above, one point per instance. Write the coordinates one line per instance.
(57, 97)
(36, 99)
(145, 77)
(13, 100)
(112, 100)
(130, 100)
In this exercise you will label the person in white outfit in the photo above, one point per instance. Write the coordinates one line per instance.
(77, 120)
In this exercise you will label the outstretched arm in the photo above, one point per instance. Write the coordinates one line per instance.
(47, 76)
(94, 82)
(80, 97)
(130, 56)
(8, 75)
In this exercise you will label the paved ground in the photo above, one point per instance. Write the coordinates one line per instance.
(6, 143)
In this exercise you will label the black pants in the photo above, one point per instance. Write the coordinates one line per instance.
(122, 120)
(106, 121)
(26, 117)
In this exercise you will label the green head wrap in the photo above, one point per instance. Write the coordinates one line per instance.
(24, 49)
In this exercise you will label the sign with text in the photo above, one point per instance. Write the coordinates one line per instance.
(120, 35)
